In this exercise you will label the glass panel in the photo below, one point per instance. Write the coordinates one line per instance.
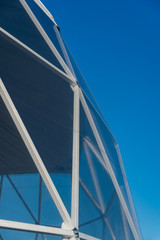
(94, 228)
(101, 214)
(116, 221)
(6, 234)
(16, 235)
(15, 20)
(112, 150)
(49, 27)
(23, 195)
(82, 82)
(45, 103)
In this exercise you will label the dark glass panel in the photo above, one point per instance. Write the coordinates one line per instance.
(15, 20)
(44, 102)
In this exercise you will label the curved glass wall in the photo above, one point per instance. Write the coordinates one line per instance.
(45, 101)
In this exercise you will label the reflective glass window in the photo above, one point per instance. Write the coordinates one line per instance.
(112, 150)
(16, 21)
(102, 207)
(23, 195)
(49, 27)
(44, 101)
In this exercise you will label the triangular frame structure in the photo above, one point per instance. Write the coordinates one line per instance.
(70, 226)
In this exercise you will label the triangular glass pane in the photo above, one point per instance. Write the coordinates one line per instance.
(113, 154)
(23, 195)
(44, 101)
(15, 20)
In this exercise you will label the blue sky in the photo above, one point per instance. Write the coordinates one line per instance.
(117, 47)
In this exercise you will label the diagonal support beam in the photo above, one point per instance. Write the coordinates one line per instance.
(109, 167)
(35, 228)
(41, 59)
(47, 39)
(87, 237)
(35, 156)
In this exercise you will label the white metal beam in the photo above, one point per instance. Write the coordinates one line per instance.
(35, 155)
(35, 228)
(87, 237)
(75, 159)
(47, 39)
(109, 167)
(45, 10)
(39, 57)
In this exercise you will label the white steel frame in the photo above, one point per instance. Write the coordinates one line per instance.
(109, 167)
(70, 226)
(47, 39)
(75, 159)
(39, 57)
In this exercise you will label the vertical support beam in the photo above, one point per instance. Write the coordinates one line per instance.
(109, 167)
(35, 155)
(75, 159)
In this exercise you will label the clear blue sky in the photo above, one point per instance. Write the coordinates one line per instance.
(117, 47)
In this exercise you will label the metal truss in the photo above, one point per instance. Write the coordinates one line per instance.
(70, 226)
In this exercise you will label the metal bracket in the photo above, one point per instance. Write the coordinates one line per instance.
(76, 232)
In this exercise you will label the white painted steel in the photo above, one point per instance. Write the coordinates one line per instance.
(87, 237)
(75, 158)
(109, 167)
(47, 39)
(45, 10)
(35, 155)
(39, 57)
(35, 228)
